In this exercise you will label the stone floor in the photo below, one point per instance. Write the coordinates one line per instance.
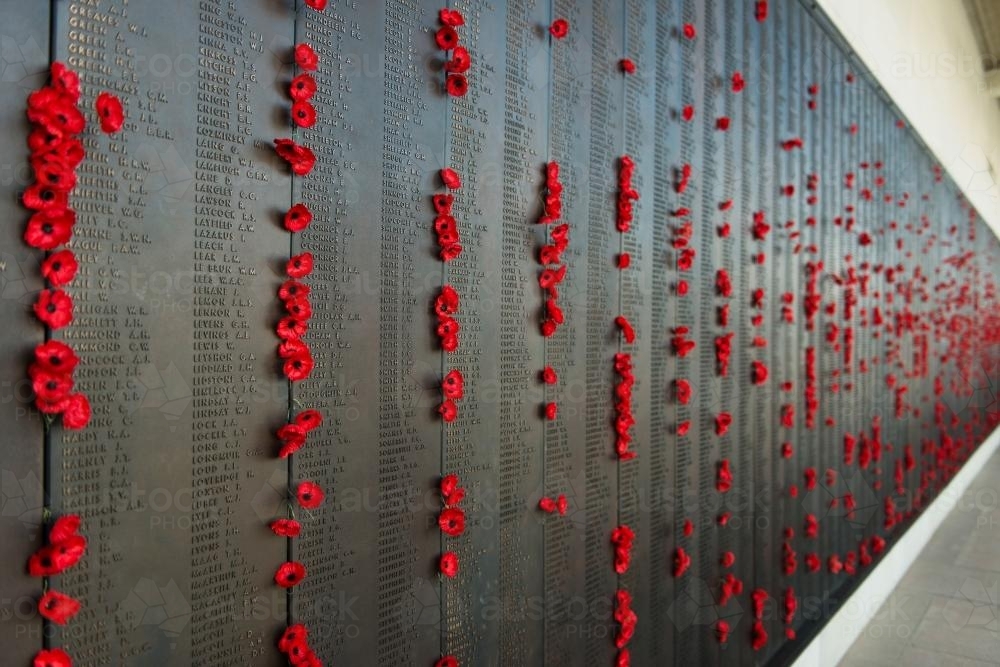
(946, 609)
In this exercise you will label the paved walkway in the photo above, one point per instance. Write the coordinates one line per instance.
(946, 610)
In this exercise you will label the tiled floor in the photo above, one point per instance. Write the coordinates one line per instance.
(946, 610)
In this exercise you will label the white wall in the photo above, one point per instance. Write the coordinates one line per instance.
(926, 57)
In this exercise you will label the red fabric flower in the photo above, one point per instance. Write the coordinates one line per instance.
(559, 28)
(57, 607)
(299, 266)
(49, 229)
(738, 83)
(452, 521)
(627, 331)
(450, 178)
(451, 492)
(289, 574)
(721, 631)
(318, 5)
(453, 384)
(303, 113)
(109, 110)
(682, 561)
(451, 17)
(457, 85)
(760, 10)
(286, 527)
(56, 357)
(54, 657)
(722, 123)
(302, 87)
(758, 636)
(446, 38)
(551, 410)
(460, 61)
(290, 328)
(689, 31)
(54, 308)
(76, 412)
(64, 528)
(549, 375)
(299, 158)
(40, 197)
(57, 557)
(687, 113)
(60, 268)
(293, 634)
(448, 410)
(298, 218)
(309, 420)
(723, 477)
(305, 57)
(51, 387)
(448, 564)
(65, 81)
(446, 661)
(682, 389)
(627, 65)
(293, 289)
(447, 301)
(298, 367)
(624, 259)
(309, 494)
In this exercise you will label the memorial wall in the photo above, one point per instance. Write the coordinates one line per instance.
(468, 333)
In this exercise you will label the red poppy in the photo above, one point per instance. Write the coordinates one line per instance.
(56, 115)
(299, 266)
(302, 87)
(689, 31)
(460, 61)
(442, 203)
(65, 81)
(457, 85)
(67, 153)
(309, 494)
(627, 331)
(56, 558)
(56, 357)
(318, 5)
(291, 347)
(60, 268)
(448, 565)
(452, 521)
(299, 158)
(303, 114)
(446, 38)
(293, 634)
(109, 110)
(451, 17)
(450, 251)
(738, 83)
(293, 289)
(681, 562)
(450, 178)
(54, 175)
(290, 328)
(299, 308)
(54, 657)
(298, 367)
(624, 259)
(449, 343)
(682, 388)
(39, 197)
(51, 387)
(54, 308)
(447, 661)
(309, 419)
(559, 28)
(447, 301)
(305, 57)
(57, 607)
(549, 375)
(722, 123)
(76, 413)
(289, 574)
(48, 229)
(627, 65)
(453, 384)
(448, 410)
(65, 527)
(551, 410)
(286, 527)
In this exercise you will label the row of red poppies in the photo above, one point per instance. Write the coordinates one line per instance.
(293, 350)
(56, 152)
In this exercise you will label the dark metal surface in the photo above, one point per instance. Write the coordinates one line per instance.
(182, 252)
